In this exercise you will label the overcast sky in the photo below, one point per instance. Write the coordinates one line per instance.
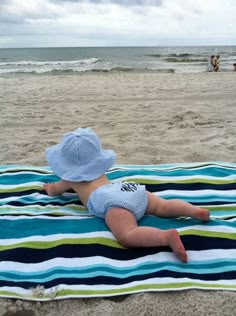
(40, 23)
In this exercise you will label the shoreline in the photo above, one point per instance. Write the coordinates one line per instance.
(116, 71)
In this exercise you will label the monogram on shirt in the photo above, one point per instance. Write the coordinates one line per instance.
(130, 187)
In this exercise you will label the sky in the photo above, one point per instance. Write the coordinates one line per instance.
(79, 23)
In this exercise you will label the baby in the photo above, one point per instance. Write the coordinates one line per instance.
(81, 162)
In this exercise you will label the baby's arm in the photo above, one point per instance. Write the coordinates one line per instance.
(57, 188)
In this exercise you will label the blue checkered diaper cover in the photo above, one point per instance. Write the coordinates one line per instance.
(131, 196)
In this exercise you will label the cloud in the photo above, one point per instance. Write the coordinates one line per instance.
(113, 22)
(118, 2)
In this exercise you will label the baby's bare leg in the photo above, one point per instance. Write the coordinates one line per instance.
(57, 188)
(175, 208)
(124, 227)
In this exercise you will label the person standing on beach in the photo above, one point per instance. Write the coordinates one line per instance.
(217, 63)
(211, 64)
(81, 162)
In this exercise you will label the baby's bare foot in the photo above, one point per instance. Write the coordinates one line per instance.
(176, 245)
(50, 188)
(202, 214)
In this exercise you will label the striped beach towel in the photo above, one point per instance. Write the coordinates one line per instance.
(51, 248)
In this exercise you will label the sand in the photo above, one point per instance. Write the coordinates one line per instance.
(146, 119)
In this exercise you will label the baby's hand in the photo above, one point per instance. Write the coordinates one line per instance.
(57, 188)
(50, 189)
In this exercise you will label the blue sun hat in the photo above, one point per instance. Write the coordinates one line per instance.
(80, 156)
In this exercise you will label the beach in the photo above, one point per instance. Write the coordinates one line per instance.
(147, 118)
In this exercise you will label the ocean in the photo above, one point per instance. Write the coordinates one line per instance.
(16, 62)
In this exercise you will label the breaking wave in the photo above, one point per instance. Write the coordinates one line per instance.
(40, 67)
(94, 70)
(171, 55)
(186, 60)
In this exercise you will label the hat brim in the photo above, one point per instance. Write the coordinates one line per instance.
(70, 171)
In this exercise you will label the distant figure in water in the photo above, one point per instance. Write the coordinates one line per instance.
(217, 63)
(234, 66)
(211, 64)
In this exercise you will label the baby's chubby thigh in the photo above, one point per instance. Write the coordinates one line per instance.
(120, 221)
